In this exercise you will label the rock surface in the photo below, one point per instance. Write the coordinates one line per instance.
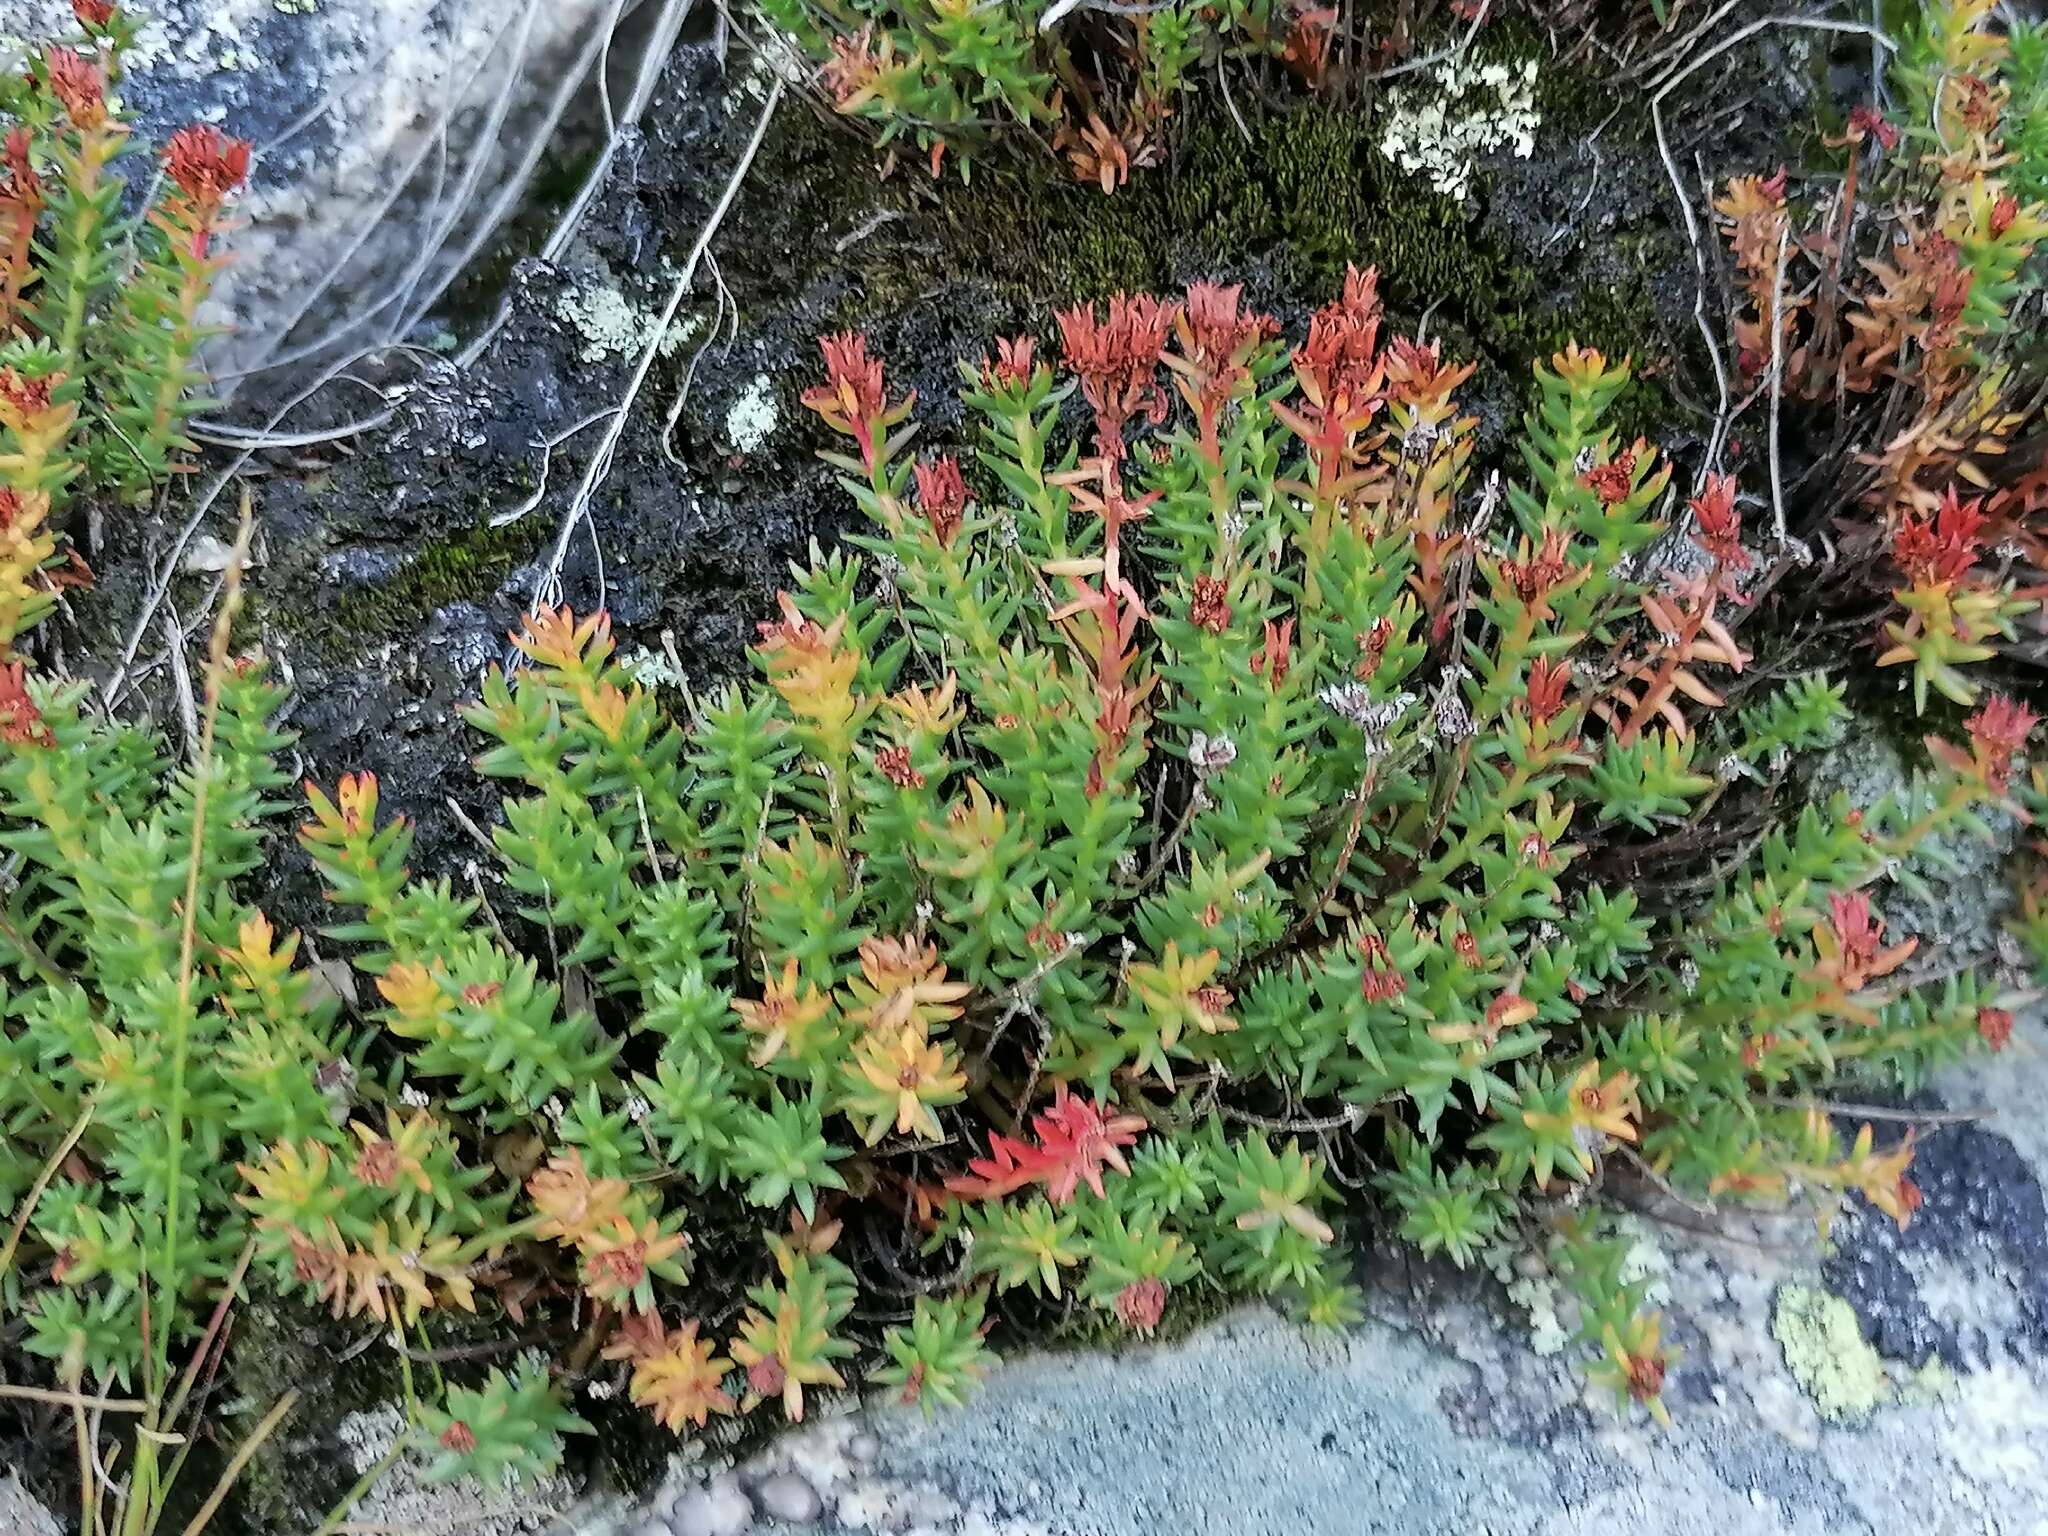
(390, 581)
(21, 1514)
(392, 140)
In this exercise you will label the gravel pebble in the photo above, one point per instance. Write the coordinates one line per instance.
(788, 1497)
(719, 1508)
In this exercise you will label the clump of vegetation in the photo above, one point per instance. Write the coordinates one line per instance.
(947, 75)
(101, 314)
(1880, 311)
(1197, 810)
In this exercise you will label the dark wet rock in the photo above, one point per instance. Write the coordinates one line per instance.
(1967, 1281)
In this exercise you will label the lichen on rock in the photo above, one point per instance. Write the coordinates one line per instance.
(1464, 109)
(1826, 1352)
(753, 415)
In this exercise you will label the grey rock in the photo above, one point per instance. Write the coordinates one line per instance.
(719, 1508)
(21, 1514)
(393, 138)
(359, 569)
(785, 1496)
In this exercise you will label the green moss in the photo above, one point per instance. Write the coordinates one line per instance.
(1827, 1354)
(1298, 192)
(465, 565)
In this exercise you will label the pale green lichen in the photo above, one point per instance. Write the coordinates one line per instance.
(1463, 109)
(753, 416)
(606, 320)
(1827, 1354)
(610, 325)
(1538, 1295)
(655, 669)
(1934, 1382)
(1645, 1263)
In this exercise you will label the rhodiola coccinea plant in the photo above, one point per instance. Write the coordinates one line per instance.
(1880, 311)
(952, 76)
(102, 314)
(1201, 797)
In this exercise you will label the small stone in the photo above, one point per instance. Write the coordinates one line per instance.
(719, 1508)
(863, 1447)
(652, 1528)
(788, 1497)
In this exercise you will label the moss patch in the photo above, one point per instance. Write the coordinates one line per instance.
(469, 564)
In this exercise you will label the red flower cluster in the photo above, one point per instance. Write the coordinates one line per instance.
(2001, 726)
(1210, 608)
(942, 497)
(1338, 365)
(2003, 212)
(1857, 938)
(21, 723)
(852, 399)
(1116, 359)
(765, 1377)
(1415, 371)
(1951, 298)
(1217, 328)
(1278, 649)
(206, 164)
(77, 83)
(459, 1438)
(1719, 524)
(1548, 681)
(1013, 366)
(22, 397)
(1612, 482)
(23, 187)
(1998, 731)
(894, 763)
(1381, 983)
(1978, 107)
(1535, 576)
(1372, 649)
(1940, 547)
(1217, 341)
(852, 69)
(1140, 1305)
(1994, 1027)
